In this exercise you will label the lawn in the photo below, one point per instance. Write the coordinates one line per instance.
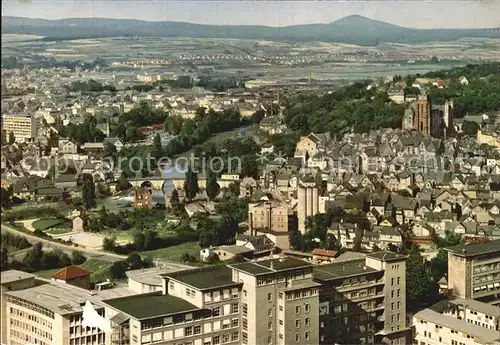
(45, 224)
(217, 139)
(98, 270)
(174, 253)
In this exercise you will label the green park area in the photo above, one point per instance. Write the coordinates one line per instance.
(98, 269)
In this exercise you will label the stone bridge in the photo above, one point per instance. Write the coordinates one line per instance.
(158, 183)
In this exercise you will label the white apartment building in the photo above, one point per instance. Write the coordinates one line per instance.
(461, 322)
(38, 311)
(24, 126)
(273, 301)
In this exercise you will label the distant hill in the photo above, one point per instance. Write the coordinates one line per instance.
(352, 29)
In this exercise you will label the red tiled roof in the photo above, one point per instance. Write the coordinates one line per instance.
(70, 273)
(324, 252)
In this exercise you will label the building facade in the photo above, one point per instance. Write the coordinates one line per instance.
(24, 127)
(460, 321)
(474, 271)
(279, 300)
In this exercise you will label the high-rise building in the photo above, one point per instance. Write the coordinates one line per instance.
(474, 271)
(281, 300)
(363, 301)
(24, 126)
(308, 196)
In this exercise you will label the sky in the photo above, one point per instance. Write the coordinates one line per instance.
(407, 13)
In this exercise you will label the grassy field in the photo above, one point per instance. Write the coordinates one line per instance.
(45, 224)
(174, 253)
(216, 139)
(98, 270)
(58, 231)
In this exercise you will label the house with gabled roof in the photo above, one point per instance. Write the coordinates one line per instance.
(73, 275)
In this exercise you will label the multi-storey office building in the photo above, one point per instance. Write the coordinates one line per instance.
(24, 126)
(363, 301)
(457, 322)
(49, 313)
(271, 301)
(474, 271)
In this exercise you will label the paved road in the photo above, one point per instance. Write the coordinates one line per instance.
(95, 254)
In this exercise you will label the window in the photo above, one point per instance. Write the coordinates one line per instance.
(270, 325)
(188, 331)
(306, 335)
(216, 311)
(234, 308)
(392, 306)
(269, 312)
(281, 322)
(216, 340)
(225, 338)
(197, 329)
(235, 336)
(269, 297)
(308, 321)
(399, 280)
(245, 309)
(281, 308)
(297, 323)
(297, 337)
(399, 293)
(392, 281)
(297, 309)
(307, 308)
(392, 293)
(235, 322)
(280, 336)
(207, 343)
(269, 340)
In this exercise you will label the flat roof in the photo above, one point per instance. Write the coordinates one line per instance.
(481, 307)
(63, 298)
(147, 306)
(152, 276)
(387, 256)
(484, 335)
(271, 265)
(342, 269)
(14, 275)
(473, 249)
(205, 278)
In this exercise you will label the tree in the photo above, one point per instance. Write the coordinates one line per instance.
(212, 187)
(258, 116)
(77, 258)
(12, 138)
(249, 166)
(404, 192)
(109, 243)
(174, 199)
(157, 148)
(470, 128)
(191, 184)
(296, 240)
(33, 257)
(4, 258)
(4, 197)
(88, 191)
(439, 265)
(187, 258)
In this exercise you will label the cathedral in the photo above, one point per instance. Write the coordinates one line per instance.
(431, 119)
